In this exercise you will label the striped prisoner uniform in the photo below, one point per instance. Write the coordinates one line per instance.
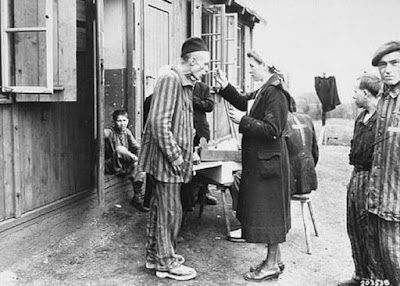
(167, 135)
(384, 190)
(361, 154)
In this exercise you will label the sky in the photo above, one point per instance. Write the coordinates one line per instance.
(306, 38)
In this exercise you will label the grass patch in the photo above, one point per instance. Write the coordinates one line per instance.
(338, 131)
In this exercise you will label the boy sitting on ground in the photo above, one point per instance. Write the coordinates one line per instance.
(121, 151)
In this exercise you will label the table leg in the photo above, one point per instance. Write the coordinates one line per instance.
(224, 206)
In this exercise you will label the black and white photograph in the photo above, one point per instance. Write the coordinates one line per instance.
(199, 142)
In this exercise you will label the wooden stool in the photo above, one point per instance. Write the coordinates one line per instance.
(306, 198)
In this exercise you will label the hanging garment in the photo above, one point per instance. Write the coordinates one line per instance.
(327, 92)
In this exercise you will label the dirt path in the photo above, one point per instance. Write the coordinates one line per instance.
(110, 250)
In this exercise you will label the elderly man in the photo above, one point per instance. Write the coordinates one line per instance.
(384, 188)
(166, 156)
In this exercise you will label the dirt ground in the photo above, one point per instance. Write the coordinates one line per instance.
(109, 250)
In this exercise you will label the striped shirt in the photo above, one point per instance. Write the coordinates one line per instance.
(168, 132)
(384, 190)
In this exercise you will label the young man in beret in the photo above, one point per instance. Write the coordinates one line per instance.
(384, 185)
(166, 156)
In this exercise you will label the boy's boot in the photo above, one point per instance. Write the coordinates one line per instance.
(137, 199)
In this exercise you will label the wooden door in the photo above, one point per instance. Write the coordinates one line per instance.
(157, 40)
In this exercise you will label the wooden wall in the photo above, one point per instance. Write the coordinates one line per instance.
(115, 55)
(47, 149)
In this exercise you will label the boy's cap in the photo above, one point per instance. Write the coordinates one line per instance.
(193, 44)
(384, 50)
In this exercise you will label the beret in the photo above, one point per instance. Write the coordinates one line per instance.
(193, 44)
(384, 50)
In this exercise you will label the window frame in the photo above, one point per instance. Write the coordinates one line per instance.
(7, 42)
(219, 30)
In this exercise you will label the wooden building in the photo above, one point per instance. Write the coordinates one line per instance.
(67, 64)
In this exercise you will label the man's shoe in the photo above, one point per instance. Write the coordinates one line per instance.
(151, 265)
(139, 205)
(350, 282)
(262, 275)
(236, 236)
(180, 273)
(211, 200)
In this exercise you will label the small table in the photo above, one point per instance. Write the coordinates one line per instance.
(219, 174)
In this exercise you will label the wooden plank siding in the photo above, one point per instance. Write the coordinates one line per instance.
(7, 182)
(47, 150)
(2, 159)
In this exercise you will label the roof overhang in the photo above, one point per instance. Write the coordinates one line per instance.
(241, 7)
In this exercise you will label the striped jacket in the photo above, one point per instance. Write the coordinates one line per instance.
(168, 132)
(384, 190)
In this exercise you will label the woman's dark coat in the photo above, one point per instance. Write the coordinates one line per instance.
(264, 199)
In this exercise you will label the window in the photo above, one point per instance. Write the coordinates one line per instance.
(219, 31)
(38, 49)
(241, 58)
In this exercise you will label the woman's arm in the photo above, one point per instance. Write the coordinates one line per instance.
(273, 116)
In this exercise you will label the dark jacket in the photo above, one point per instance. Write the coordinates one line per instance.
(264, 198)
(362, 144)
(303, 153)
(202, 103)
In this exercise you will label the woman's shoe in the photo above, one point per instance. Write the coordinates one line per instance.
(281, 266)
(262, 274)
(236, 236)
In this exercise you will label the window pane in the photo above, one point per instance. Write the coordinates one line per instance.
(28, 13)
(29, 59)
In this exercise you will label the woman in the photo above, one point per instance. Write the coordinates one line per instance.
(264, 202)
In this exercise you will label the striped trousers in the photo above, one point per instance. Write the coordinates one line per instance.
(164, 224)
(388, 233)
(363, 238)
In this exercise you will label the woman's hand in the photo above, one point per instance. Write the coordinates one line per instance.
(220, 77)
(236, 115)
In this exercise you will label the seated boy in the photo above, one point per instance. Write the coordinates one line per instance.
(121, 151)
